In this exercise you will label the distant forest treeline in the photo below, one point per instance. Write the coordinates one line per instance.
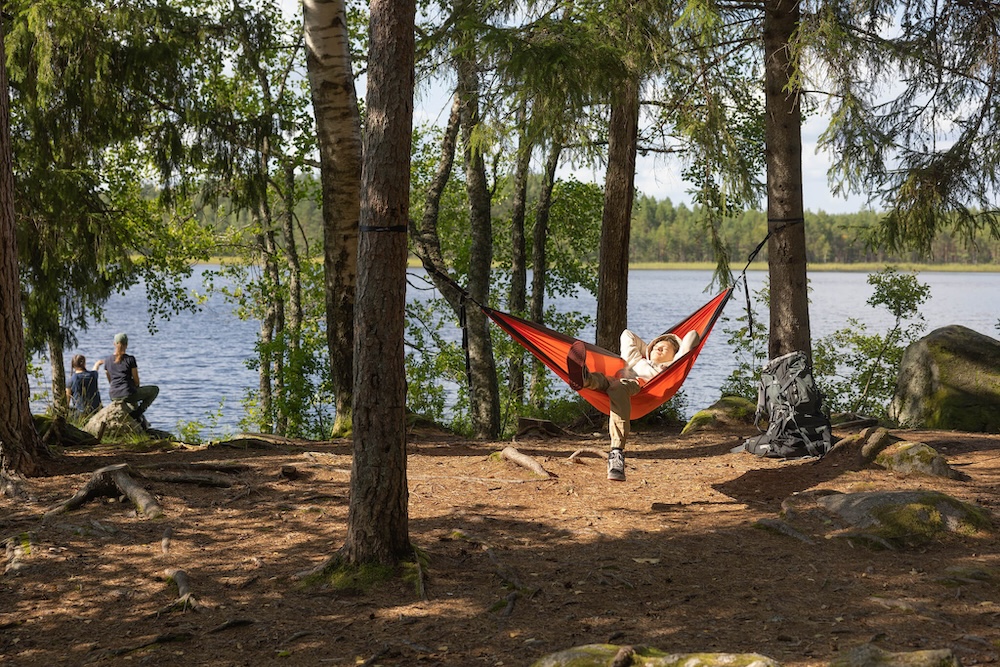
(666, 233)
(662, 232)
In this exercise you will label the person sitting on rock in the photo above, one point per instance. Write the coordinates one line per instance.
(123, 377)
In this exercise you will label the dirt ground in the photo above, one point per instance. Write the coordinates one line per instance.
(518, 566)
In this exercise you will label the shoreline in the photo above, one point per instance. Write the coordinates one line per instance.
(860, 267)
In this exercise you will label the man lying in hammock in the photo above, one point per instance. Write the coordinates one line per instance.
(642, 363)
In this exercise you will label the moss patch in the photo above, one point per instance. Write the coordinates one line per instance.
(922, 520)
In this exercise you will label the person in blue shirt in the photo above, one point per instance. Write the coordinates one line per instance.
(83, 392)
(123, 378)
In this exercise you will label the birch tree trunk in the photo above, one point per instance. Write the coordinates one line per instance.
(338, 125)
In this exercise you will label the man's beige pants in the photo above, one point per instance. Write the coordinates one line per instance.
(620, 391)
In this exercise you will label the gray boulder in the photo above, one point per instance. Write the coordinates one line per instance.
(602, 655)
(915, 457)
(949, 379)
(872, 656)
(113, 420)
(897, 518)
(728, 411)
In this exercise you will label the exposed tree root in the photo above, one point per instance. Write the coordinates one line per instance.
(255, 441)
(165, 638)
(112, 481)
(507, 575)
(184, 599)
(575, 456)
(528, 426)
(525, 461)
(178, 477)
(421, 578)
(327, 564)
(117, 480)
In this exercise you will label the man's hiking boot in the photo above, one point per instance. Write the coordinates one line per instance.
(576, 365)
(616, 465)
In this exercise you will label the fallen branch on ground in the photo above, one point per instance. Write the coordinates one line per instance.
(507, 575)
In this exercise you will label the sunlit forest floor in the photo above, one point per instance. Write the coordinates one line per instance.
(517, 566)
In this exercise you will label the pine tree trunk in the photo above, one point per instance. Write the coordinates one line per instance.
(338, 124)
(786, 249)
(20, 447)
(378, 519)
(616, 223)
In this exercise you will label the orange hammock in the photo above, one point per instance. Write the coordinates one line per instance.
(551, 348)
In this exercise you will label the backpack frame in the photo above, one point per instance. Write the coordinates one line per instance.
(793, 405)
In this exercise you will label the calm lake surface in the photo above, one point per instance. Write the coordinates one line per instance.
(198, 359)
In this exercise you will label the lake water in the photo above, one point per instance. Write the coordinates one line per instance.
(198, 359)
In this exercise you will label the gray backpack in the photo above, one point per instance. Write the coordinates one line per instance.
(788, 398)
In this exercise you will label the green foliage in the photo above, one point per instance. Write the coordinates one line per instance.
(434, 358)
(748, 340)
(192, 432)
(923, 147)
(305, 402)
(90, 85)
(857, 369)
(672, 413)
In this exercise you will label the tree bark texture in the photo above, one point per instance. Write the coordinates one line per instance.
(426, 241)
(338, 125)
(539, 260)
(518, 300)
(20, 446)
(57, 366)
(786, 249)
(616, 223)
(484, 395)
(268, 329)
(378, 519)
(295, 314)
